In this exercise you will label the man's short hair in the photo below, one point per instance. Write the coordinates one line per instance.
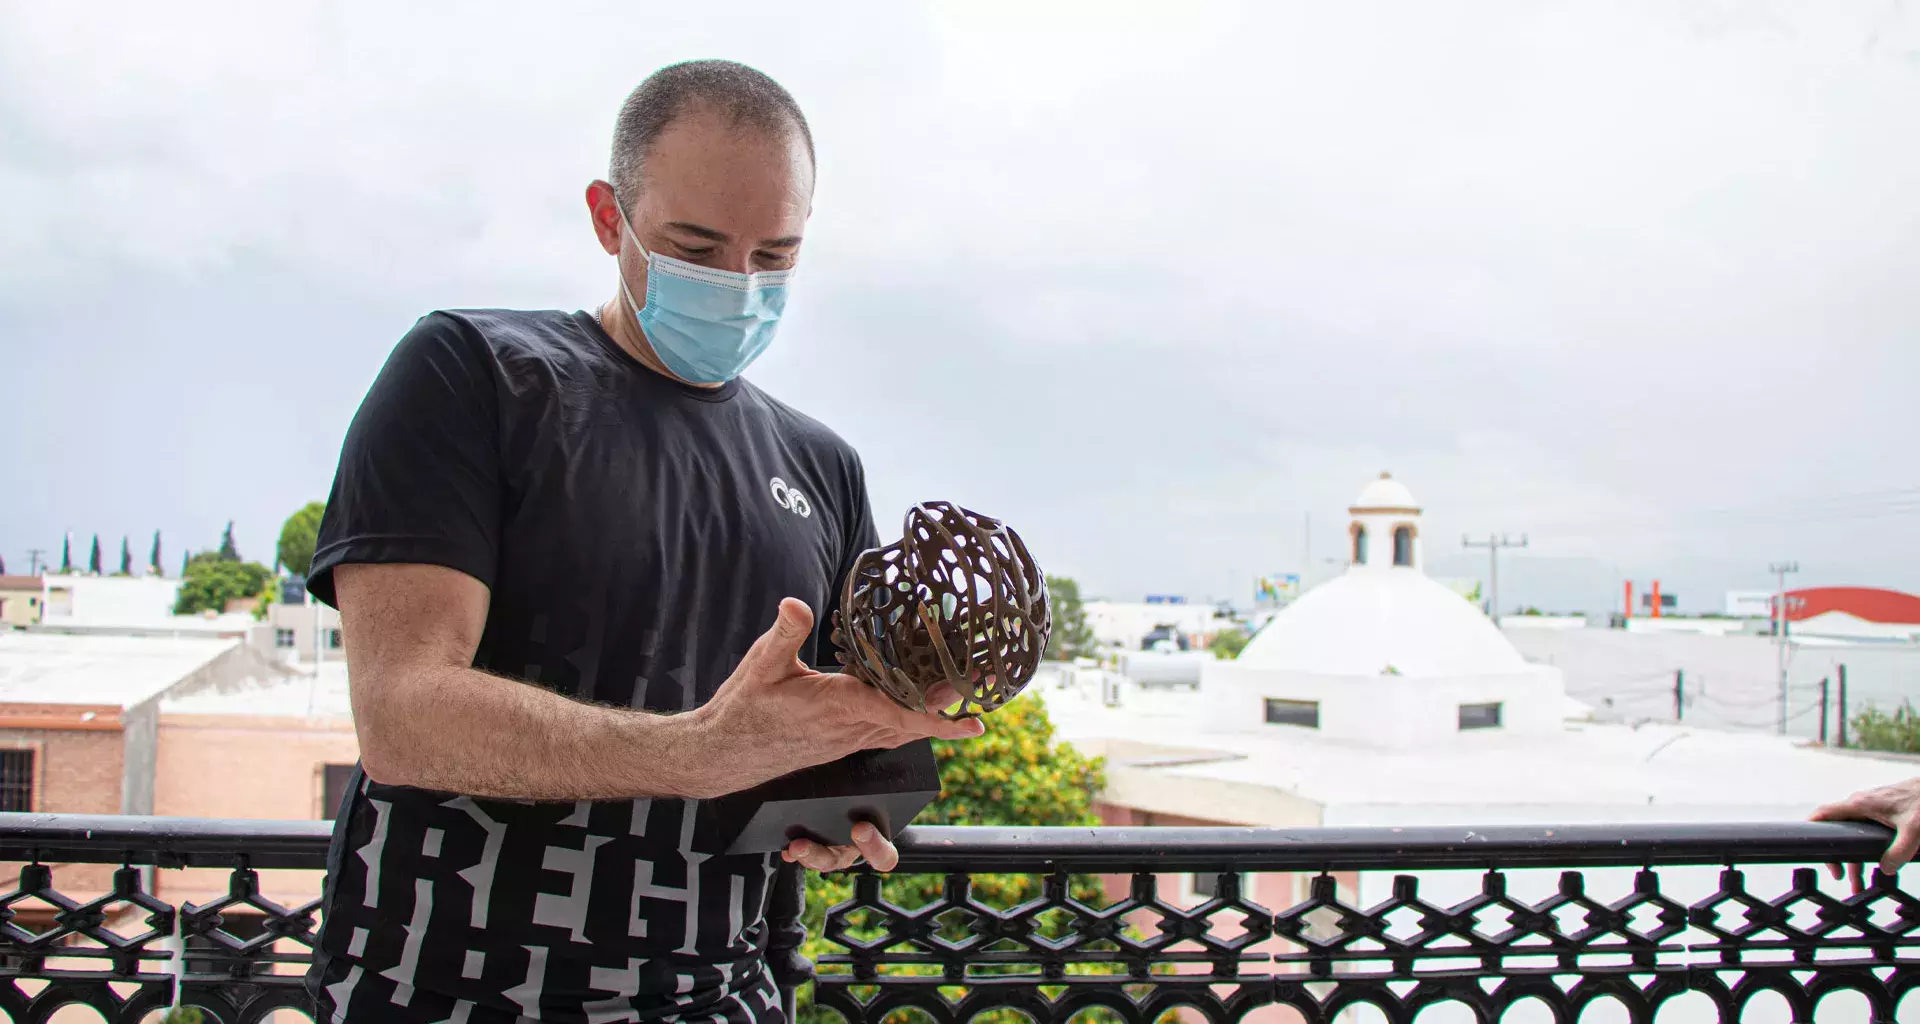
(747, 98)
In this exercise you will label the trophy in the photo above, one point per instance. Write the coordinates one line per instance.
(956, 602)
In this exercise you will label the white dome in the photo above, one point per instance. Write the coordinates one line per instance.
(1363, 623)
(1386, 493)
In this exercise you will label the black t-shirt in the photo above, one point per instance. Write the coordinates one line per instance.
(637, 535)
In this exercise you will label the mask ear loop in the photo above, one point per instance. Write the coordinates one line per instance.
(627, 227)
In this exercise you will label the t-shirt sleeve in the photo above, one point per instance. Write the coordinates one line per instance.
(419, 479)
(860, 536)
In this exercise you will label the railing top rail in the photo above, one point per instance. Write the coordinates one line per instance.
(202, 842)
(168, 842)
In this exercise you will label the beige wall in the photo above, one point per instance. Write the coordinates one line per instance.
(19, 607)
(246, 766)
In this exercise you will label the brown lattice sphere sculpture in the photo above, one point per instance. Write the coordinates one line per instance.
(956, 600)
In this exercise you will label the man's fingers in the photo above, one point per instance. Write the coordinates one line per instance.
(875, 707)
(1858, 876)
(876, 848)
(1839, 873)
(816, 857)
(779, 647)
(1841, 810)
(1906, 843)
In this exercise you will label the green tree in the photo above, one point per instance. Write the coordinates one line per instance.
(298, 536)
(126, 558)
(153, 561)
(1228, 643)
(1897, 733)
(1016, 774)
(66, 554)
(210, 580)
(93, 561)
(227, 549)
(1072, 637)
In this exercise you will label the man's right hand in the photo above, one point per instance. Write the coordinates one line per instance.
(775, 715)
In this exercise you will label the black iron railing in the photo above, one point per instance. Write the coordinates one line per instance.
(1690, 922)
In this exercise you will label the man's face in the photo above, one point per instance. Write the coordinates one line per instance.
(715, 195)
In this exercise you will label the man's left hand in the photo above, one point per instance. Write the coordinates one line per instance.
(868, 844)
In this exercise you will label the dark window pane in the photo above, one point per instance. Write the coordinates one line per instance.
(338, 777)
(16, 780)
(1480, 716)
(1293, 712)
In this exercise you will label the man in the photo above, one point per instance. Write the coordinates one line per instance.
(555, 541)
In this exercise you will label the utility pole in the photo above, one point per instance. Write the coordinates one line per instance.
(1493, 544)
(33, 560)
(1843, 706)
(1780, 571)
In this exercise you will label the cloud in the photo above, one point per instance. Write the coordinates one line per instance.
(1154, 282)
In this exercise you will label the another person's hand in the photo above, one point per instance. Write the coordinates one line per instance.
(1897, 807)
(868, 843)
(775, 715)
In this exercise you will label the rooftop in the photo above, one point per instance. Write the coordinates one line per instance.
(56, 668)
(1598, 771)
(296, 696)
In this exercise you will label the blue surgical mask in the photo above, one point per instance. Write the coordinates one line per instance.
(706, 325)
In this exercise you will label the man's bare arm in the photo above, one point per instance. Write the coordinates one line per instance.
(426, 718)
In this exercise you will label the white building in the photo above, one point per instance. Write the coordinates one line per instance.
(1124, 624)
(129, 606)
(1384, 652)
(303, 633)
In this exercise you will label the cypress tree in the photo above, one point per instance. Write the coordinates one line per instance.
(93, 563)
(154, 560)
(126, 558)
(66, 554)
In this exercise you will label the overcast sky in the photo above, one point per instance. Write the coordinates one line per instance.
(1153, 282)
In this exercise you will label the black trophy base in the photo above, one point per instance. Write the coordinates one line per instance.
(823, 803)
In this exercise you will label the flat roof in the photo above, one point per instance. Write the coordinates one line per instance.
(1587, 765)
(302, 695)
(61, 668)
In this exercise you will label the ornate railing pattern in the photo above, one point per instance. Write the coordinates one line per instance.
(1533, 922)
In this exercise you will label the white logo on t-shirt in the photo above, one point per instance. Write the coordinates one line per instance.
(790, 498)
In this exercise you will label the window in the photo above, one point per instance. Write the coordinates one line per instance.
(16, 780)
(1403, 545)
(333, 639)
(1480, 716)
(283, 638)
(1293, 712)
(1206, 885)
(335, 778)
(1359, 544)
